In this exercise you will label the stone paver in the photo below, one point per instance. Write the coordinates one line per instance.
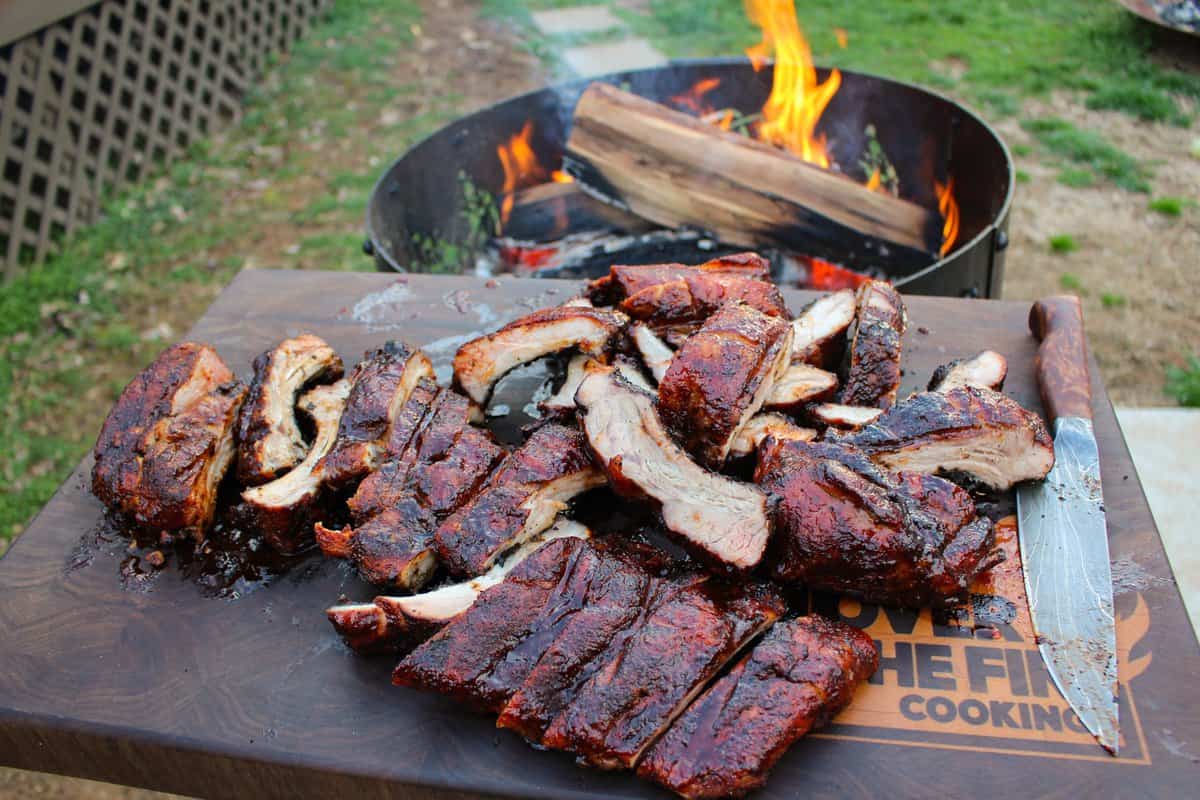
(580, 19)
(1165, 444)
(597, 59)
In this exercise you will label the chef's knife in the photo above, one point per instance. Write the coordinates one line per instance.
(1063, 536)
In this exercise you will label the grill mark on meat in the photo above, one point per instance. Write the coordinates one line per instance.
(522, 498)
(269, 439)
(846, 525)
(986, 370)
(379, 387)
(721, 377)
(968, 430)
(873, 371)
(798, 385)
(726, 521)
(284, 508)
(819, 331)
(169, 440)
(802, 673)
(761, 426)
(481, 362)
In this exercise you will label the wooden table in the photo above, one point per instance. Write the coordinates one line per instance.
(170, 689)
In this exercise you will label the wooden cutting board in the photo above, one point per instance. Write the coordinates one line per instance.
(153, 681)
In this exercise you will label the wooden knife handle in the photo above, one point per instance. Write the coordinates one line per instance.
(1061, 362)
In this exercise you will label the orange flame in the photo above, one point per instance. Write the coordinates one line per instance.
(948, 207)
(797, 100)
(873, 182)
(693, 98)
(558, 176)
(521, 168)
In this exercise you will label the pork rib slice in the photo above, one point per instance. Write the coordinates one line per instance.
(562, 402)
(976, 432)
(655, 353)
(845, 525)
(761, 426)
(624, 281)
(819, 331)
(397, 624)
(726, 520)
(987, 370)
(269, 440)
(379, 386)
(692, 298)
(283, 508)
(523, 497)
(802, 673)
(169, 440)
(842, 416)
(799, 385)
(721, 377)
(481, 362)
(873, 374)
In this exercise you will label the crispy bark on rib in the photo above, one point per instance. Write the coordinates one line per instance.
(727, 521)
(398, 624)
(379, 386)
(691, 299)
(283, 509)
(761, 426)
(655, 353)
(481, 362)
(721, 377)
(688, 629)
(842, 416)
(846, 525)
(819, 331)
(623, 280)
(522, 498)
(971, 431)
(269, 439)
(987, 370)
(802, 673)
(169, 440)
(873, 371)
(799, 385)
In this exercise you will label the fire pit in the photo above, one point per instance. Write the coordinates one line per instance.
(486, 193)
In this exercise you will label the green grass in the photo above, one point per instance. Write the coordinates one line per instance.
(1071, 282)
(1148, 103)
(1023, 177)
(1087, 154)
(1062, 244)
(1112, 300)
(1169, 206)
(1183, 382)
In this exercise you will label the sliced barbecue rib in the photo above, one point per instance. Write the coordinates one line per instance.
(562, 402)
(726, 520)
(846, 525)
(691, 299)
(976, 432)
(986, 370)
(873, 374)
(169, 440)
(655, 353)
(799, 385)
(283, 509)
(379, 387)
(761, 426)
(522, 498)
(687, 630)
(269, 440)
(398, 624)
(819, 331)
(481, 362)
(624, 281)
(802, 673)
(721, 377)
(842, 416)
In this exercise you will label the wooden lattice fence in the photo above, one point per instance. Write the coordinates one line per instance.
(90, 100)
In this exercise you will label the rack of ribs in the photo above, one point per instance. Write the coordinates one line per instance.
(728, 522)
(845, 525)
(873, 353)
(721, 377)
(169, 441)
(968, 430)
(379, 387)
(522, 498)
(269, 439)
(802, 673)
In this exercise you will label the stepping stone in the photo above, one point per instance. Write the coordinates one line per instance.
(580, 19)
(598, 59)
(1169, 470)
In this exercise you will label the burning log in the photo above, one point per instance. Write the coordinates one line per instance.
(679, 171)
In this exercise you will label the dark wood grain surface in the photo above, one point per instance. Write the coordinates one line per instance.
(168, 688)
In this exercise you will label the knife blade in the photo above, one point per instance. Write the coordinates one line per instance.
(1062, 532)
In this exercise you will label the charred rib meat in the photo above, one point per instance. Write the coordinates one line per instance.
(269, 440)
(873, 373)
(481, 362)
(625, 281)
(379, 387)
(169, 440)
(800, 675)
(977, 432)
(721, 377)
(846, 525)
(819, 331)
(987, 370)
(724, 519)
(761, 426)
